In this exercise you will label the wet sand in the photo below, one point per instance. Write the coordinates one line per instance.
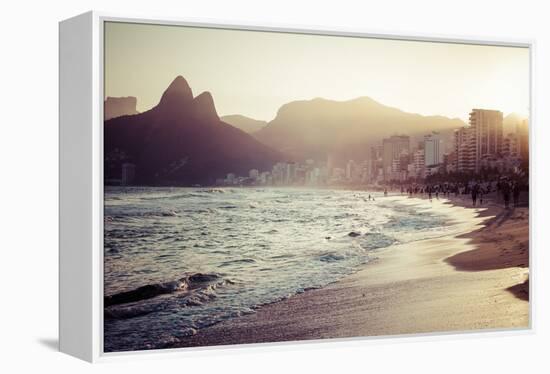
(475, 279)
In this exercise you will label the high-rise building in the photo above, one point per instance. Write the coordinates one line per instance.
(450, 162)
(375, 163)
(290, 176)
(314, 176)
(364, 171)
(419, 162)
(265, 178)
(330, 163)
(487, 127)
(278, 173)
(433, 149)
(522, 131)
(465, 149)
(395, 167)
(511, 146)
(393, 148)
(350, 170)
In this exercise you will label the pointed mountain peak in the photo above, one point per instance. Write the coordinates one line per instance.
(178, 92)
(179, 84)
(205, 98)
(204, 107)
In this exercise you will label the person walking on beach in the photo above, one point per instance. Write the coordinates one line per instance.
(506, 193)
(515, 193)
(481, 196)
(385, 192)
(474, 194)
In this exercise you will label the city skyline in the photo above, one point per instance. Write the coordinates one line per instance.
(255, 73)
(480, 145)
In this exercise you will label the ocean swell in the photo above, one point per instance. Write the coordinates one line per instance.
(178, 260)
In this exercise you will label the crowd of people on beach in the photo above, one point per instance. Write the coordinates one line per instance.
(506, 189)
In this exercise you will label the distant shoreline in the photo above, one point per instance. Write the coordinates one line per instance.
(463, 282)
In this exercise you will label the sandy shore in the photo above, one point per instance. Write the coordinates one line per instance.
(476, 278)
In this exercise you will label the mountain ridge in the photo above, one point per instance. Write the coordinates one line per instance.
(181, 141)
(247, 124)
(313, 128)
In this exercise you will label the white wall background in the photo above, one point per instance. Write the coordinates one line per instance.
(28, 195)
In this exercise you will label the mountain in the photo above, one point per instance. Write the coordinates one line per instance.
(510, 121)
(248, 125)
(313, 128)
(182, 141)
(119, 106)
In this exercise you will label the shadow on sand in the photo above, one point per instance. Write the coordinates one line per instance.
(521, 291)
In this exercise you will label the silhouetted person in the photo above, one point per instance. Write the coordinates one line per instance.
(385, 192)
(474, 195)
(515, 193)
(506, 194)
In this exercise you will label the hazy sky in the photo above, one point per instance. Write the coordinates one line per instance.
(254, 73)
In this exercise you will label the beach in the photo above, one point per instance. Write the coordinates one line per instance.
(476, 279)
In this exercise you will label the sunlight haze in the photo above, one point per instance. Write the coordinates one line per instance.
(254, 73)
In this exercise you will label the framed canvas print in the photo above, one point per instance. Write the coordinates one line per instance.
(238, 184)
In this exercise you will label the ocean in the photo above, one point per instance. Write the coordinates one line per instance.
(177, 260)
